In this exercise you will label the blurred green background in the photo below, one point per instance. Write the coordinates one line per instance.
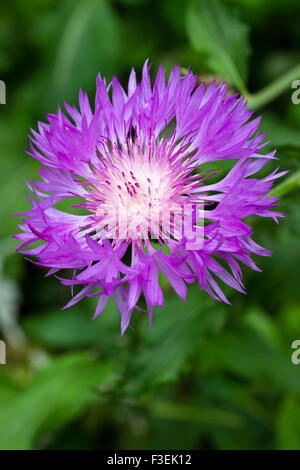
(209, 376)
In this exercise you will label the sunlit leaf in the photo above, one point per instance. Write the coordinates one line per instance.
(222, 38)
(288, 424)
(58, 393)
(89, 44)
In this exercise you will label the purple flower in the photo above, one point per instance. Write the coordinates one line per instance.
(140, 166)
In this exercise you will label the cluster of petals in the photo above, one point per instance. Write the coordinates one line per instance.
(141, 151)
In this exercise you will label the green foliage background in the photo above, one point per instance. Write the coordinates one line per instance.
(209, 376)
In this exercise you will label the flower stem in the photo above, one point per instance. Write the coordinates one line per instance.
(286, 186)
(274, 89)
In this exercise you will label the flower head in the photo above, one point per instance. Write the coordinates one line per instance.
(142, 167)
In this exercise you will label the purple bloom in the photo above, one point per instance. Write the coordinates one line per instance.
(137, 165)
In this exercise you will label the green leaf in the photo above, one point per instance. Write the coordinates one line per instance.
(16, 167)
(288, 424)
(177, 330)
(89, 44)
(57, 395)
(180, 412)
(289, 321)
(248, 355)
(222, 38)
(7, 389)
(73, 327)
(256, 319)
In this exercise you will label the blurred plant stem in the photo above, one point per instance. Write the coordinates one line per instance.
(274, 89)
(179, 412)
(286, 186)
(267, 94)
(195, 414)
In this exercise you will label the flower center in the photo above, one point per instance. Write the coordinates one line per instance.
(135, 195)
